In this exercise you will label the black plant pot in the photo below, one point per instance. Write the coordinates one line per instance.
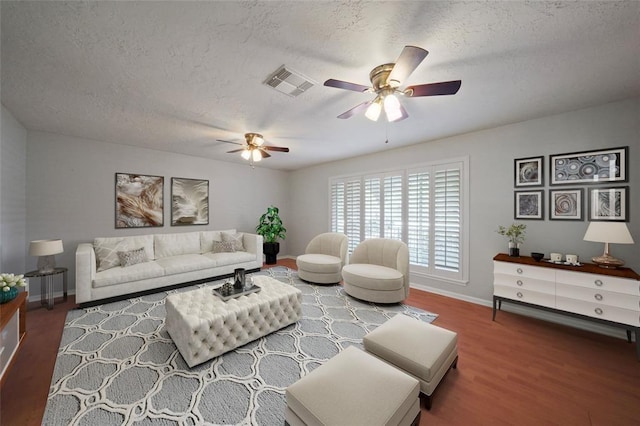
(270, 251)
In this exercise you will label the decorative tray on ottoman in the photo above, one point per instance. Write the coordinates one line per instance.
(234, 292)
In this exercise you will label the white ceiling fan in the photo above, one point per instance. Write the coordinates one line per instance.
(254, 148)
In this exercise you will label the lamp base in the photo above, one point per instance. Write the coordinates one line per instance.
(46, 264)
(607, 261)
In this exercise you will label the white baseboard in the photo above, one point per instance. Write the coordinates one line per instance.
(533, 313)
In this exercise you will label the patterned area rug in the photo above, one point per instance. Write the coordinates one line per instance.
(118, 365)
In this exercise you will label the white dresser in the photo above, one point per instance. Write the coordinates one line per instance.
(609, 296)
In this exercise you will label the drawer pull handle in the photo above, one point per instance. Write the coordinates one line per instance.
(519, 282)
(598, 296)
(598, 283)
(519, 270)
(519, 295)
(598, 311)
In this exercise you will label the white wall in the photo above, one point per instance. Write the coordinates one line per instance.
(13, 178)
(491, 153)
(71, 194)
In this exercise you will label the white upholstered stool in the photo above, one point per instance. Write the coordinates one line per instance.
(423, 350)
(354, 388)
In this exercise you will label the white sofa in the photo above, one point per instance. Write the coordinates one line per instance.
(168, 260)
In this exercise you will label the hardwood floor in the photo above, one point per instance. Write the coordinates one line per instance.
(514, 371)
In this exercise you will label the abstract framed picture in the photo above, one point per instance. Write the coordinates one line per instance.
(139, 201)
(566, 204)
(528, 171)
(189, 202)
(609, 204)
(607, 165)
(529, 205)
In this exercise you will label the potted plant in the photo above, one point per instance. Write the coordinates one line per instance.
(271, 229)
(515, 232)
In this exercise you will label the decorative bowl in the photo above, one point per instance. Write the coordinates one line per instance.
(537, 256)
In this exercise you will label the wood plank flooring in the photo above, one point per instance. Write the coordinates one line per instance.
(514, 371)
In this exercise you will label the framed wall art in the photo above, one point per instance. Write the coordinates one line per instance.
(566, 204)
(189, 202)
(607, 165)
(528, 171)
(528, 205)
(139, 201)
(609, 204)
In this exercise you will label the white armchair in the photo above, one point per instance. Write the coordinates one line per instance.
(324, 258)
(378, 271)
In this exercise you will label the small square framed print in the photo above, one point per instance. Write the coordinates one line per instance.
(528, 205)
(565, 204)
(610, 204)
(528, 171)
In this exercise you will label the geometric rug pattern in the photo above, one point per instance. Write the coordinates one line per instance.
(117, 365)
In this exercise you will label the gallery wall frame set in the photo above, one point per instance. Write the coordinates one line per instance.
(529, 205)
(609, 204)
(139, 201)
(589, 167)
(528, 172)
(566, 204)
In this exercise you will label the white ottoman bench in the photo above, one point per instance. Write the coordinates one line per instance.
(423, 350)
(353, 388)
(203, 326)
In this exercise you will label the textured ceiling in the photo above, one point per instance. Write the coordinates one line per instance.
(176, 76)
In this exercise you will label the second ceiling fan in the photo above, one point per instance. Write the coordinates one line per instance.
(386, 80)
(254, 148)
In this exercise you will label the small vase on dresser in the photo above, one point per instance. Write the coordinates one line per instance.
(514, 249)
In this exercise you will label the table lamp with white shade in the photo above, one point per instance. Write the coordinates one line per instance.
(46, 251)
(608, 232)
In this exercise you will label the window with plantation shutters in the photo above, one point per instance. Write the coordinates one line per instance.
(424, 206)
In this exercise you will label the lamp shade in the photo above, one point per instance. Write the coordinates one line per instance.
(608, 232)
(45, 247)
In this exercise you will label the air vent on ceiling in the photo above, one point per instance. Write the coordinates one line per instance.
(289, 82)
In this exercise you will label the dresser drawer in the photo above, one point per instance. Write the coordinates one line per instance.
(524, 295)
(601, 297)
(524, 282)
(600, 282)
(598, 310)
(519, 270)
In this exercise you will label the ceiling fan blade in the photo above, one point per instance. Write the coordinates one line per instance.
(355, 110)
(339, 84)
(275, 148)
(235, 150)
(407, 62)
(264, 153)
(434, 89)
(235, 143)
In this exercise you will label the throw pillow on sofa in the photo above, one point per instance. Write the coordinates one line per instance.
(106, 250)
(222, 247)
(235, 239)
(132, 257)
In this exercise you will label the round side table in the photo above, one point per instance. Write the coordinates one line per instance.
(46, 284)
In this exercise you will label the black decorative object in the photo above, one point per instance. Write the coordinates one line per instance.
(238, 278)
(537, 256)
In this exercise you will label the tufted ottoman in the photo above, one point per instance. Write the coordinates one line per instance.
(353, 388)
(423, 350)
(203, 326)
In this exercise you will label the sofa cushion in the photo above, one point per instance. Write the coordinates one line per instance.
(132, 257)
(185, 263)
(319, 263)
(138, 241)
(106, 250)
(167, 245)
(127, 274)
(374, 277)
(235, 238)
(224, 259)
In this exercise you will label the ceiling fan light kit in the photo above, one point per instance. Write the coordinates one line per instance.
(385, 83)
(254, 148)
